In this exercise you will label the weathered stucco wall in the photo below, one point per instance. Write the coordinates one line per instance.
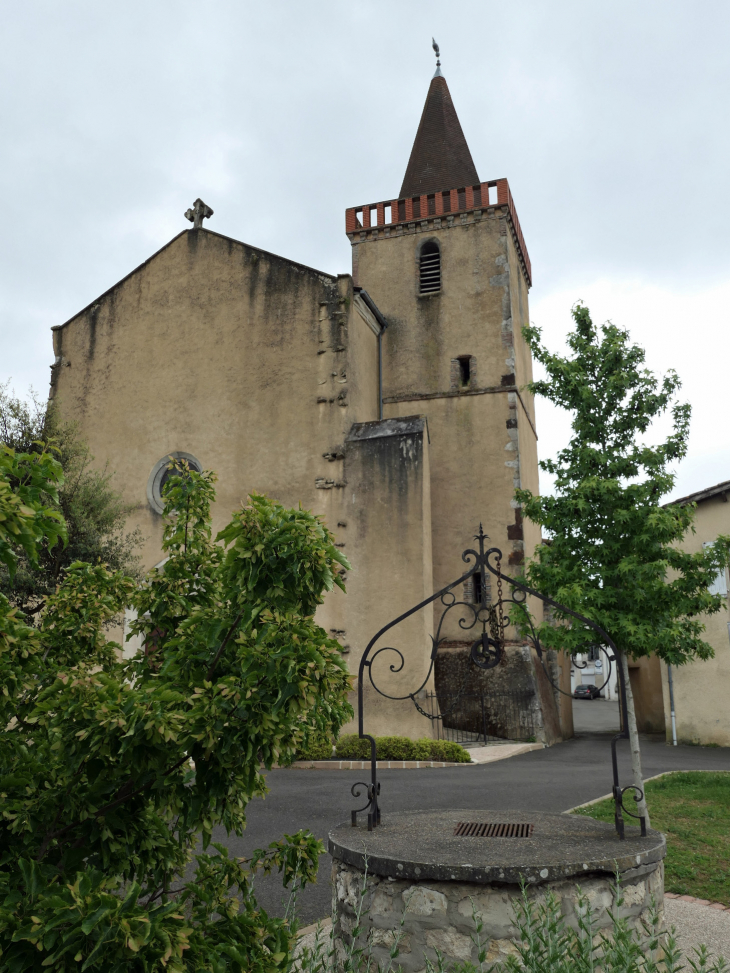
(483, 441)
(702, 710)
(260, 368)
(236, 356)
(212, 348)
(389, 519)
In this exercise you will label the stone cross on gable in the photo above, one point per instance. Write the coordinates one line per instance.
(197, 213)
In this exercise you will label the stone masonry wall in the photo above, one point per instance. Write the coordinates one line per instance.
(438, 916)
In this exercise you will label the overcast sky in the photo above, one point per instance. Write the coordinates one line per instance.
(609, 120)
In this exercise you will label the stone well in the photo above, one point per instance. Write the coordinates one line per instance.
(419, 867)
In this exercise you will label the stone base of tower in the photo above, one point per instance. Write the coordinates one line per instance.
(513, 701)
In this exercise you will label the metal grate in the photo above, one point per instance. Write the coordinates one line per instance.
(493, 829)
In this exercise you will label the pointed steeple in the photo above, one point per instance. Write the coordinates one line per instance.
(440, 157)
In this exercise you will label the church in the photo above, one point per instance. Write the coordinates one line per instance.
(391, 401)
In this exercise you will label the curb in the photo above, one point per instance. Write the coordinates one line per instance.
(718, 906)
(608, 797)
(478, 755)
(365, 764)
(691, 898)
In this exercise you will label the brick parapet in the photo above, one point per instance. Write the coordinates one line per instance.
(462, 201)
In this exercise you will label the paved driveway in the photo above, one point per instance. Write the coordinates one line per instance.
(548, 780)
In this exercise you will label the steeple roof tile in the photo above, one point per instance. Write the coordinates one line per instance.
(440, 157)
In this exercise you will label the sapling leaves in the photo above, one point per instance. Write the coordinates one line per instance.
(615, 551)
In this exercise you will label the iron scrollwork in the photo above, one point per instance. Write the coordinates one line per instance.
(487, 651)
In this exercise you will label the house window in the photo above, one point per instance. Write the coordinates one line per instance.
(430, 268)
(719, 585)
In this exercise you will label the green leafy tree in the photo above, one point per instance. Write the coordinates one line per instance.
(95, 514)
(615, 553)
(112, 770)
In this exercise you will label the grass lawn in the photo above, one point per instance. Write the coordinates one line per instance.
(693, 810)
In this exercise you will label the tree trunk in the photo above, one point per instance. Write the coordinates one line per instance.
(630, 717)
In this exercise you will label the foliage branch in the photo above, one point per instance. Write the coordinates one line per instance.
(94, 513)
(112, 769)
(614, 551)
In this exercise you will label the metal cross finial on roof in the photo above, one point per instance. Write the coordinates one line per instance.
(438, 62)
(197, 213)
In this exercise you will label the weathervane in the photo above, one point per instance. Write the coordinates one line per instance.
(438, 62)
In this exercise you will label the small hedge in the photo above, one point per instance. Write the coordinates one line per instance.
(351, 747)
(316, 748)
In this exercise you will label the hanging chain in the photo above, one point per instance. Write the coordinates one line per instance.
(499, 599)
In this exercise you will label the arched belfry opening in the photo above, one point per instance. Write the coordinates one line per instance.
(429, 268)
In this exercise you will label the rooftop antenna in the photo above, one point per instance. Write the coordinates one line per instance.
(438, 62)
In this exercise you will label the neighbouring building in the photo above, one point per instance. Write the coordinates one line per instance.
(391, 401)
(702, 689)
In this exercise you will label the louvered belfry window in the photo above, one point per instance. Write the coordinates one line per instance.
(430, 268)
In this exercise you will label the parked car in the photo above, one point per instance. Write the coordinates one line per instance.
(587, 692)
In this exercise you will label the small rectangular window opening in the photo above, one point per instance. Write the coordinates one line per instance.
(401, 210)
(417, 207)
(461, 194)
(388, 213)
(358, 217)
(431, 205)
(477, 196)
(464, 371)
(493, 195)
(447, 202)
(373, 216)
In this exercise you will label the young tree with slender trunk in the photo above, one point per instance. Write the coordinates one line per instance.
(615, 552)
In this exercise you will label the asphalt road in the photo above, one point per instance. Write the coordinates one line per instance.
(554, 779)
(596, 716)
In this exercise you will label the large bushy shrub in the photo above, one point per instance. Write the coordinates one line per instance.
(114, 772)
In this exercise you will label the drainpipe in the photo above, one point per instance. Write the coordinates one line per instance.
(671, 705)
(383, 325)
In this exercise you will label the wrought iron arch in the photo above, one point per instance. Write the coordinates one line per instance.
(486, 652)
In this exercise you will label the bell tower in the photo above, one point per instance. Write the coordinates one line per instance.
(447, 266)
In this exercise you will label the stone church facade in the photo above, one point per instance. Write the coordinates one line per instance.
(390, 401)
